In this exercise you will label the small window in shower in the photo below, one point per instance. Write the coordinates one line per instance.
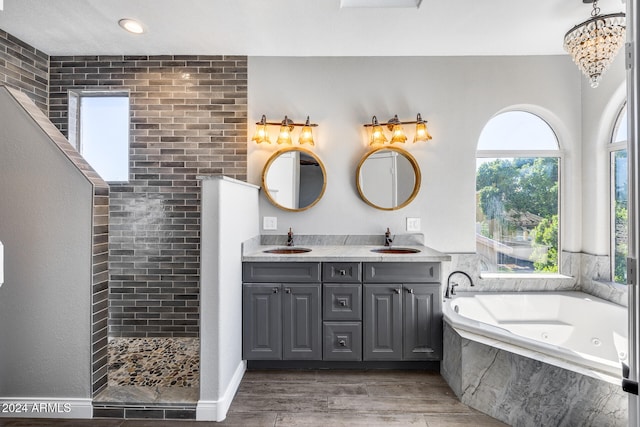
(99, 129)
(619, 198)
(517, 195)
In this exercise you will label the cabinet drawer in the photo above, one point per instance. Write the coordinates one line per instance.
(342, 341)
(280, 272)
(401, 272)
(341, 272)
(342, 302)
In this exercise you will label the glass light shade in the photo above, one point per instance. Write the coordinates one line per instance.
(261, 135)
(377, 135)
(398, 134)
(422, 134)
(306, 136)
(594, 44)
(285, 135)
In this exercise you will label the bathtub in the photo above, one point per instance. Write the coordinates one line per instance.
(536, 358)
(571, 326)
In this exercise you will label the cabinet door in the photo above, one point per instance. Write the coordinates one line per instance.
(382, 322)
(302, 328)
(261, 322)
(422, 322)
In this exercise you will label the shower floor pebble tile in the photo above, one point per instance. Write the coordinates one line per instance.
(154, 362)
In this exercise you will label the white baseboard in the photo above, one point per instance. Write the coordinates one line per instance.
(216, 410)
(45, 407)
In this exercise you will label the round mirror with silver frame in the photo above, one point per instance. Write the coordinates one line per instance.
(388, 178)
(294, 179)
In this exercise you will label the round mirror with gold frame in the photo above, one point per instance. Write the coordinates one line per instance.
(294, 179)
(388, 178)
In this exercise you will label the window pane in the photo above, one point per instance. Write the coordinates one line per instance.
(620, 223)
(104, 135)
(517, 130)
(517, 214)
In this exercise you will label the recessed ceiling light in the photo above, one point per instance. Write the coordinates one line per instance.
(380, 3)
(131, 25)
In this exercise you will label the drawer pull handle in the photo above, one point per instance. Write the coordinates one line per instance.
(343, 272)
(342, 343)
(410, 290)
(275, 290)
(287, 290)
(397, 291)
(343, 303)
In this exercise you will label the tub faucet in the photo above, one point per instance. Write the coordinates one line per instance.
(450, 289)
(290, 237)
(387, 238)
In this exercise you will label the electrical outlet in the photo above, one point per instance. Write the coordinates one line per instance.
(413, 224)
(270, 223)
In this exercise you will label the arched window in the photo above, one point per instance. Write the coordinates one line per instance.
(619, 198)
(517, 181)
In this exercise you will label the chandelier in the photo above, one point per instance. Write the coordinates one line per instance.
(594, 43)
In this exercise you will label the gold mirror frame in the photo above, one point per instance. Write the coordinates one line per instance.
(273, 158)
(416, 172)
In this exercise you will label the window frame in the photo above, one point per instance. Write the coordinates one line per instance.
(512, 154)
(74, 136)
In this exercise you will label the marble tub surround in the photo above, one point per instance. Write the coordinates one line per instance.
(580, 272)
(340, 248)
(522, 391)
(500, 282)
(594, 274)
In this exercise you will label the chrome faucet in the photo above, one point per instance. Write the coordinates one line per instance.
(290, 237)
(387, 238)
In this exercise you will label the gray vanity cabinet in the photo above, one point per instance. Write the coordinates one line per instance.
(261, 321)
(382, 322)
(341, 312)
(402, 315)
(281, 320)
(422, 322)
(302, 328)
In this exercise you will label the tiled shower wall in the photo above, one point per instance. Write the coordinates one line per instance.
(25, 68)
(188, 119)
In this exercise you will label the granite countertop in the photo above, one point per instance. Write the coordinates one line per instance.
(339, 249)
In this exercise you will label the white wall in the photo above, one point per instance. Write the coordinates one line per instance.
(457, 95)
(45, 302)
(600, 107)
(229, 217)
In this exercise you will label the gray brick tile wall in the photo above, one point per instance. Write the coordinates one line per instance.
(24, 68)
(188, 118)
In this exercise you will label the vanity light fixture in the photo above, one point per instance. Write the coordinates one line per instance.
(377, 134)
(261, 131)
(422, 134)
(131, 25)
(397, 132)
(285, 131)
(594, 43)
(286, 128)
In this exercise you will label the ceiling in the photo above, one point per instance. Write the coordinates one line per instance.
(297, 27)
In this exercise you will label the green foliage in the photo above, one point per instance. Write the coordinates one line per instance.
(512, 193)
(545, 245)
(621, 243)
(521, 184)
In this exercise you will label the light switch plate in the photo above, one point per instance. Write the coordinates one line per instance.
(270, 223)
(413, 224)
